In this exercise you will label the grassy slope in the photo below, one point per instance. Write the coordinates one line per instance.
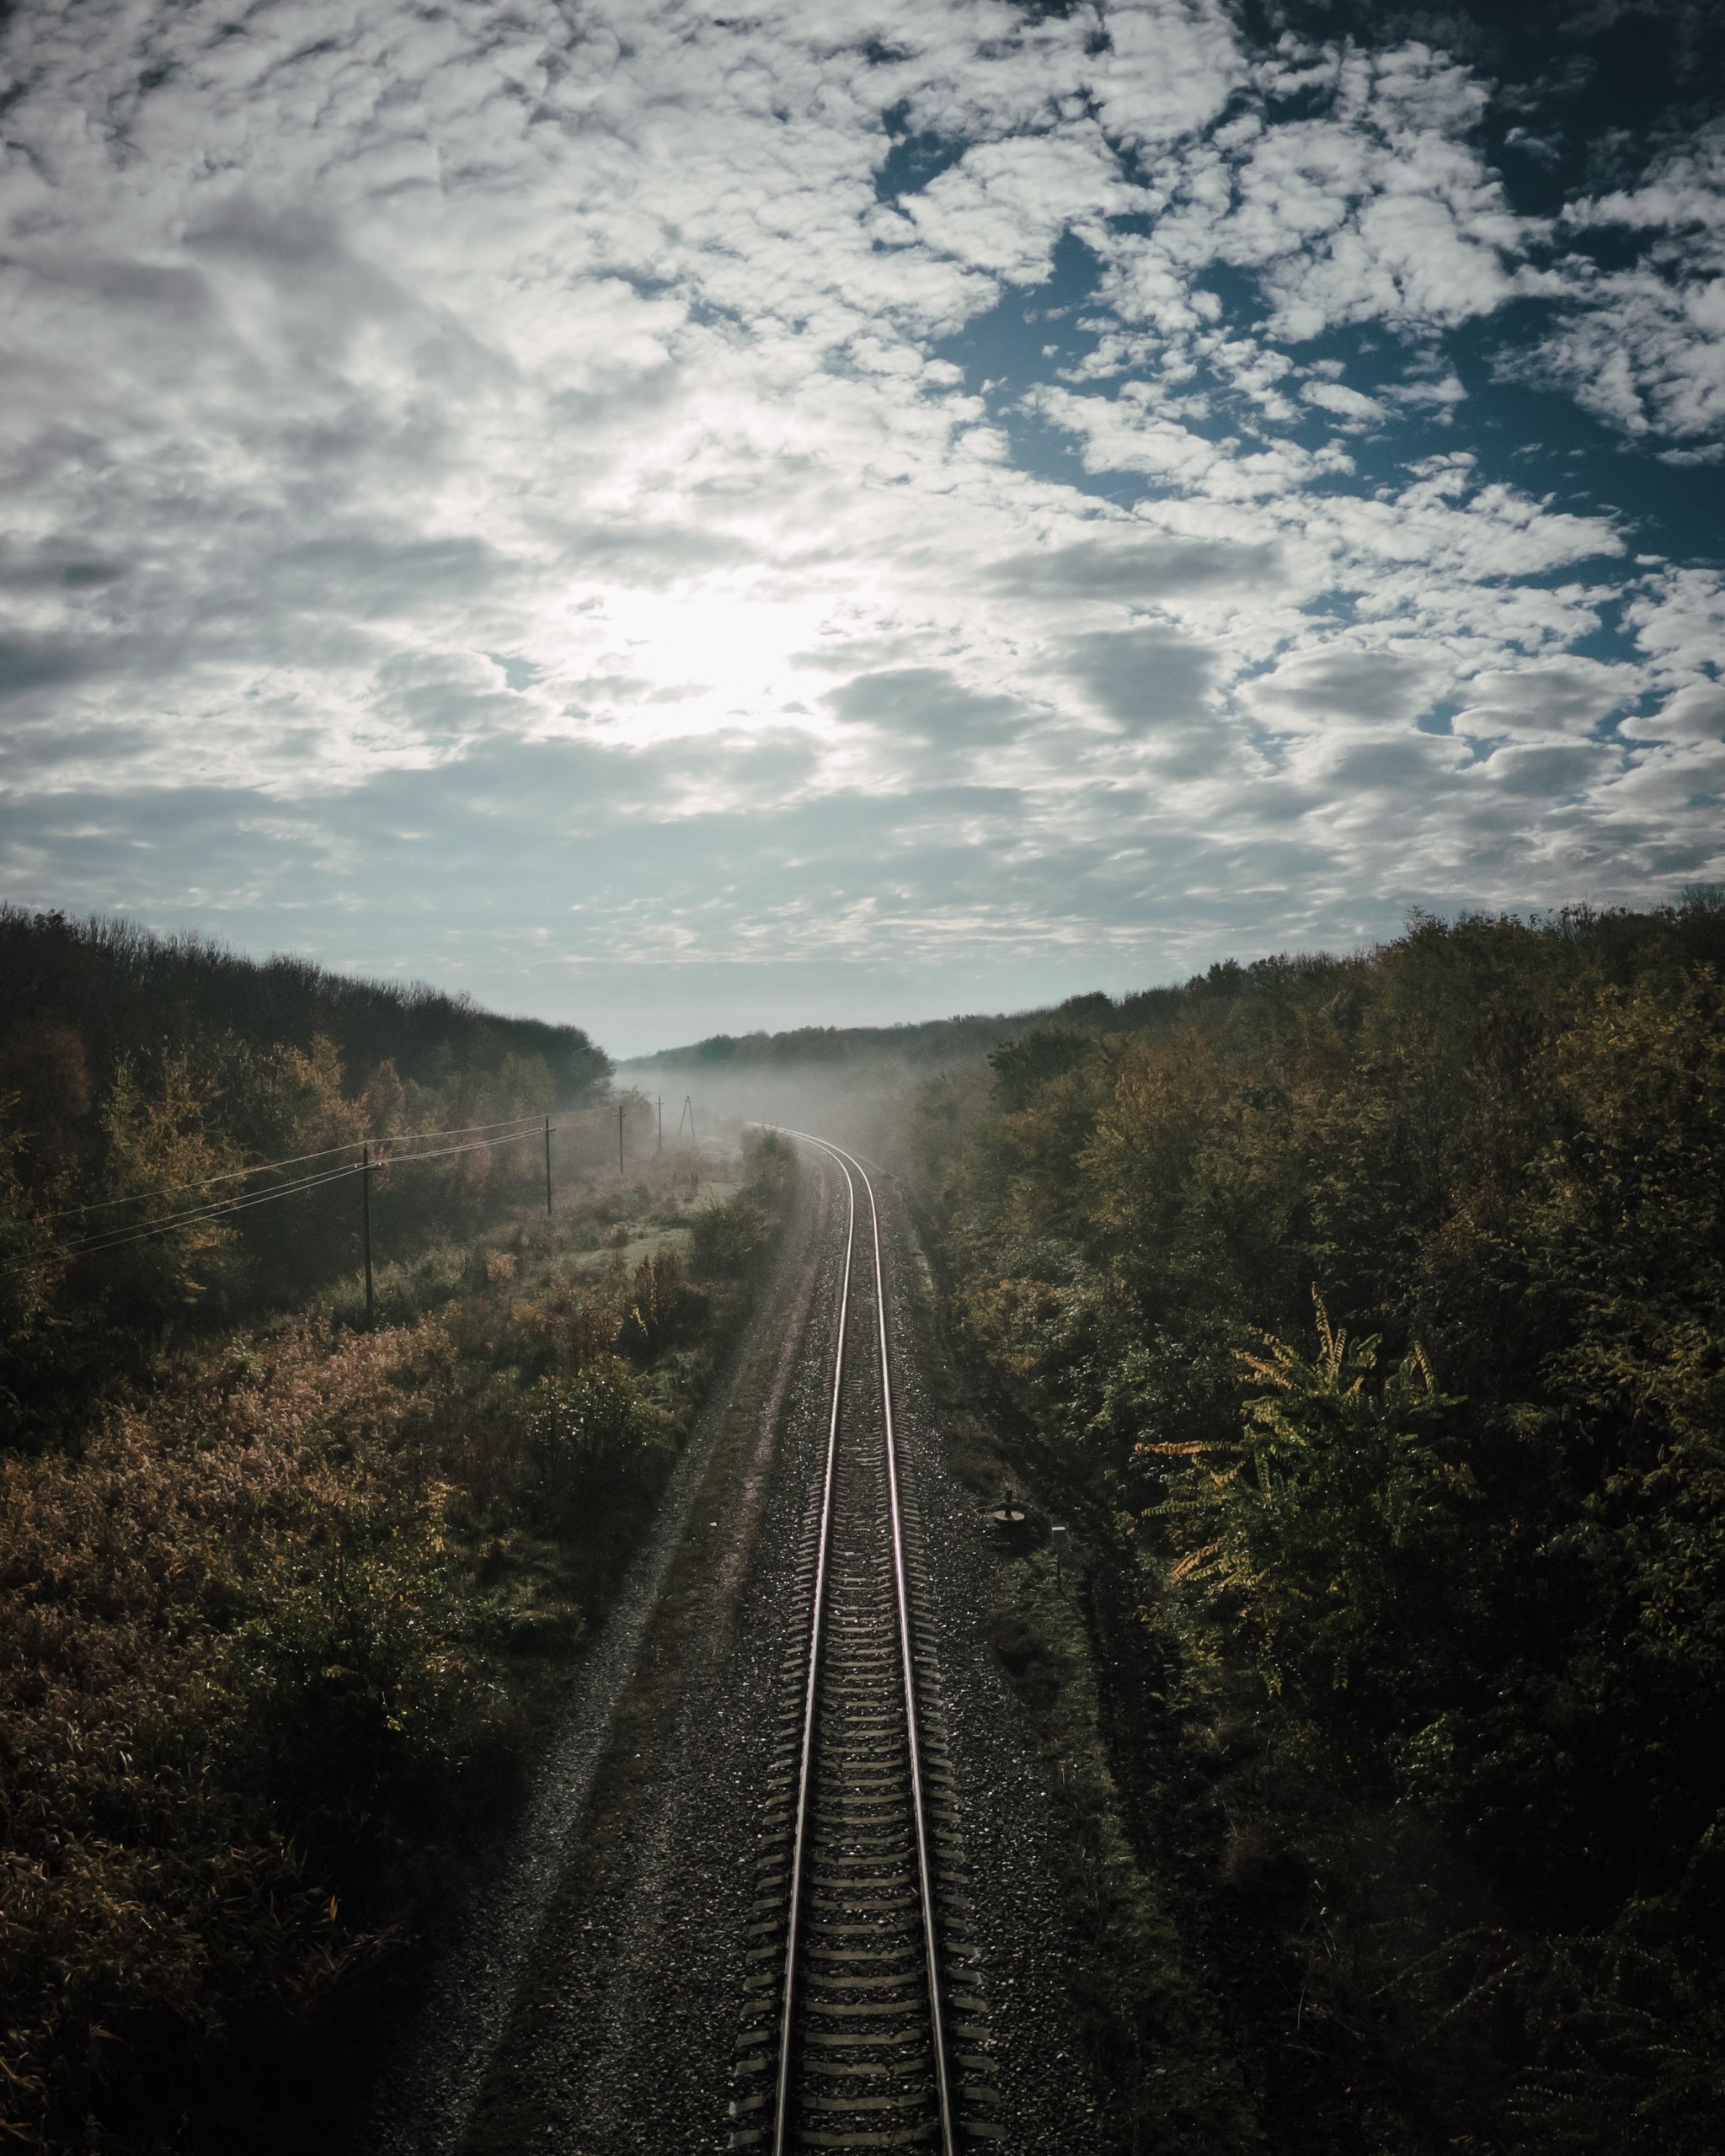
(279, 1637)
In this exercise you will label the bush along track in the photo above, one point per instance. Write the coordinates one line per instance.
(278, 1633)
(1140, 2012)
(1370, 1311)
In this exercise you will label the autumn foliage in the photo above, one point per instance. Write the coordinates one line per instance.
(286, 1604)
(1382, 1300)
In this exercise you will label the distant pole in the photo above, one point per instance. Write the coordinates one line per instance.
(661, 1122)
(619, 1140)
(366, 1215)
(547, 1167)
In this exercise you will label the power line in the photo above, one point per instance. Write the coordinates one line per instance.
(242, 1202)
(455, 1130)
(526, 1127)
(118, 1239)
(227, 1175)
(269, 1167)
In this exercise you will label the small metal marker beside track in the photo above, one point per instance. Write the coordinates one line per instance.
(862, 2029)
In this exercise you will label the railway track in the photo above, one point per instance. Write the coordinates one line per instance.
(862, 2027)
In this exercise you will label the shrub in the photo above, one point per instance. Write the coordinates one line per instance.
(595, 1426)
(726, 1236)
(1496, 1614)
(1327, 1527)
(770, 1165)
(657, 1299)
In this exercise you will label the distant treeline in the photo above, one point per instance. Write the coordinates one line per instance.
(125, 989)
(144, 1078)
(952, 1042)
(1375, 1308)
(935, 1041)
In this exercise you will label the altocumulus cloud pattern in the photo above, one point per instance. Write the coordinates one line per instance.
(638, 507)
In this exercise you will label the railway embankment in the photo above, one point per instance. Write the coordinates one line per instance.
(1363, 1318)
(283, 1638)
(652, 1996)
(1128, 1988)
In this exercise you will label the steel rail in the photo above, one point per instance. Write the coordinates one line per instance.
(799, 1846)
(930, 1942)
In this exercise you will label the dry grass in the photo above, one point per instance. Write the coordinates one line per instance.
(278, 1633)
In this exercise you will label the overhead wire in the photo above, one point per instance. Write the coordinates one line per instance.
(293, 1161)
(204, 1183)
(120, 1237)
(443, 1152)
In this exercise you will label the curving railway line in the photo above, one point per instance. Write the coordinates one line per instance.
(863, 2028)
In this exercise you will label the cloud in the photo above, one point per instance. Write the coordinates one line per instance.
(1569, 697)
(925, 727)
(1696, 714)
(1644, 347)
(1376, 687)
(28, 663)
(1126, 433)
(1003, 206)
(1350, 408)
(1138, 570)
(1647, 353)
(1164, 72)
(1152, 682)
(1380, 209)
(468, 465)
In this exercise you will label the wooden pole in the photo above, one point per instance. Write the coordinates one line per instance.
(547, 1167)
(661, 1122)
(366, 1216)
(619, 1140)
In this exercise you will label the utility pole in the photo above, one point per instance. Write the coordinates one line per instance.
(547, 1167)
(661, 1122)
(366, 1216)
(619, 1141)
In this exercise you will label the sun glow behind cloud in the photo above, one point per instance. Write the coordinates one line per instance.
(957, 493)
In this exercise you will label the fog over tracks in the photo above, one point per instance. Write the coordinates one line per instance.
(850, 2041)
(663, 1909)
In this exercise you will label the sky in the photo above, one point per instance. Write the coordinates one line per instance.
(854, 510)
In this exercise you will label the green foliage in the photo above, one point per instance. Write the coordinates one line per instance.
(658, 1300)
(1489, 1600)
(1020, 1067)
(939, 1040)
(196, 1689)
(119, 988)
(109, 1132)
(163, 1158)
(277, 1633)
(27, 1254)
(598, 1426)
(1328, 1522)
(355, 1672)
(726, 1236)
(770, 1165)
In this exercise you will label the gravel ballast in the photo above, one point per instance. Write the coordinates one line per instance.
(594, 2005)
